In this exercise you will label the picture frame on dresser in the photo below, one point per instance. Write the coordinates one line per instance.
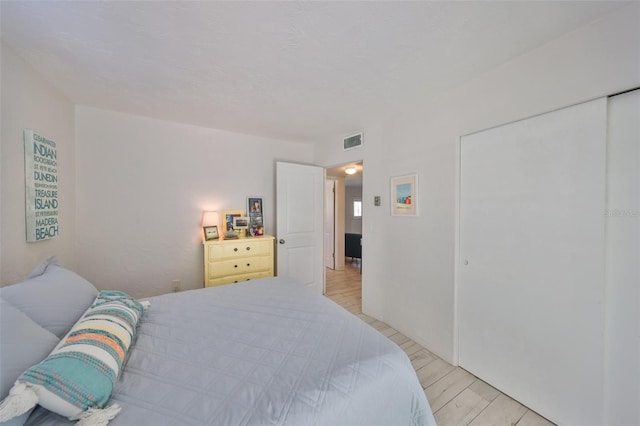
(254, 205)
(240, 222)
(255, 212)
(227, 219)
(256, 230)
(211, 233)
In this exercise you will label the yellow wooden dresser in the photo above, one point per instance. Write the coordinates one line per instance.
(242, 259)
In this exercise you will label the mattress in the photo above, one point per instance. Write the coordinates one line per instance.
(264, 352)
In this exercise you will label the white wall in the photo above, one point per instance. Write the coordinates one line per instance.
(142, 187)
(30, 102)
(408, 280)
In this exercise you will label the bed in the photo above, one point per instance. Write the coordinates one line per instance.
(264, 352)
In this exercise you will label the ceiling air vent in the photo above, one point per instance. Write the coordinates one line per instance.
(353, 141)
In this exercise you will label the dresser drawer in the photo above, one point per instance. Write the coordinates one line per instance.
(232, 261)
(237, 278)
(241, 248)
(240, 266)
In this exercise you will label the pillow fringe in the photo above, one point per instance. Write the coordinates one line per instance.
(21, 399)
(98, 416)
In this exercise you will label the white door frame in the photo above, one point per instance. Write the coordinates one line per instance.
(329, 223)
(339, 223)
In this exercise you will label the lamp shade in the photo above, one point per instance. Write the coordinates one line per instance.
(210, 218)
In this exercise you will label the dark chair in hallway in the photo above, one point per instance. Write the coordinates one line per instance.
(353, 246)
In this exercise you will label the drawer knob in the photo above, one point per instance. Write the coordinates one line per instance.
(235, 249)
(235, 281)
(235, 266)
(248, 264)
(248, 248)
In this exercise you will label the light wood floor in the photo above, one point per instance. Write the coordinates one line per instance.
(456, 396)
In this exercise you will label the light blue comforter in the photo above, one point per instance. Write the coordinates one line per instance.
(265, 352)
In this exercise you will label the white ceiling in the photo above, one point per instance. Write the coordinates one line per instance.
(287, 70)
(349, 180)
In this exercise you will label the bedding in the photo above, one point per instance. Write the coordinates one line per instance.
(52, 296)
(264, 352)
(23, 343)
(77, 378)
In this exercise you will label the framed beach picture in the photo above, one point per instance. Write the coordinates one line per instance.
(404, 195)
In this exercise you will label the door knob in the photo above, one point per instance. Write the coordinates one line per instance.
(281, 241)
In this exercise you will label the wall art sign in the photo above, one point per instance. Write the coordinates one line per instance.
(41, 186)
(404, 195)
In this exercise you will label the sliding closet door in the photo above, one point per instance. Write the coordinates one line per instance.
(622, 353)
(531, 288)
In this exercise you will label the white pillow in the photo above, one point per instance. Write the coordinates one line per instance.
(55, 299)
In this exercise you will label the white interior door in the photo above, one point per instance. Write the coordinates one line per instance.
(622, 354)
(299, 220)
(531, 282)
(329, 213)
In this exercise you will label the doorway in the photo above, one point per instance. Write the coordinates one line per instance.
(343, 229)
(343, 214)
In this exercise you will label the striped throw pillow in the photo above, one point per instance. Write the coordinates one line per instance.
(77, 378)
